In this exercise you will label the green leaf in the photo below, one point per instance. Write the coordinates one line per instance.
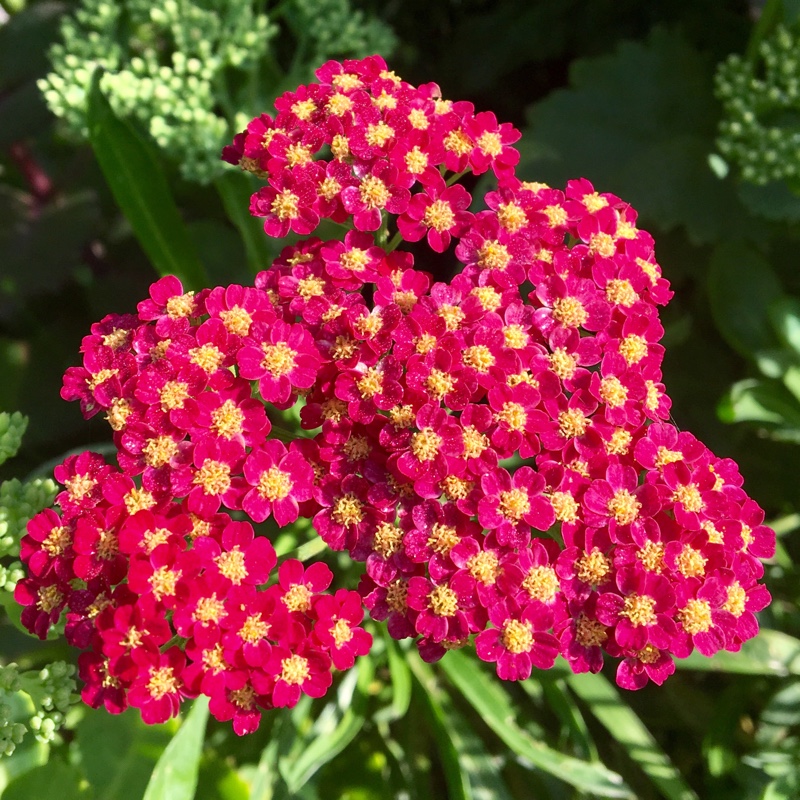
(756, 400)
(458, 784)
(119, 752)
(401, 682)
(175, 774)
(770, 653)
(784, 314)
(218, 780)
(235, 190)
(611, 711)
(469, 770)
(140, 188)
(640, 123)
(773, 201)
(492, 702)
(335, 727)
(42, 782)
(742, 286)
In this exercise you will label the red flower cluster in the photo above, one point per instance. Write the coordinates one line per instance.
(618, 533)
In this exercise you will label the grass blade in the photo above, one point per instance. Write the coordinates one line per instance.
(625, 727)
(487, 696)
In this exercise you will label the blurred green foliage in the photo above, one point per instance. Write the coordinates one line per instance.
(619, 92)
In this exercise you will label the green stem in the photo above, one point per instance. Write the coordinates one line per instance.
(771, 15)
(305, 551)
(395, 240)
(456, 177)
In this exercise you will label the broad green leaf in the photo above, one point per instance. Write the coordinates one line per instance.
(140, 188)
(611, 711)
(470, 771)
(235, 190)
(487, 696)
(755, 400)
(742, 286)
(175, 774)
(784, 314)
(639, 122)
(42, 781)
(332, 732)
(783, 708)
(218, 780)
(119, 752)
(772, 652)
(773, 201)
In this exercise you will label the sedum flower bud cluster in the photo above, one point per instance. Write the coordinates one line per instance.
(760, 100)
(19, 502)
(174, 67)
(35, 700)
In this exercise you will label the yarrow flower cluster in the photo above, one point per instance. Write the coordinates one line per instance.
(617, 534)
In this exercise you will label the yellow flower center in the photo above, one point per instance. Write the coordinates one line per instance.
(374, 192)
(285, 205)
(633, 348)
(570, 312)
(621, 293)
(163, 582)
(439, 215)
(484, 567)
(651, 554)
(691, 563)
(514, 504)
(493, 255)
(227, 420)
(541, 583)
(274, 484)
(425, 444)
(231, 565)
(602, 244)
(589, 632)
(298, 598)
(388, 539)
(479, 357)
(572, 422)
(689, 497)
(613, 392)
(593, 567)
(563, 363)
(443, 601)
(173, 395)
(695, 617)
(517, 637)
(511, 216)
(347, 510)
(214, 477)
(624, 507)
(162, 681)
(639, 609)
(294, 670)
(443, 538)
(253, 629)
